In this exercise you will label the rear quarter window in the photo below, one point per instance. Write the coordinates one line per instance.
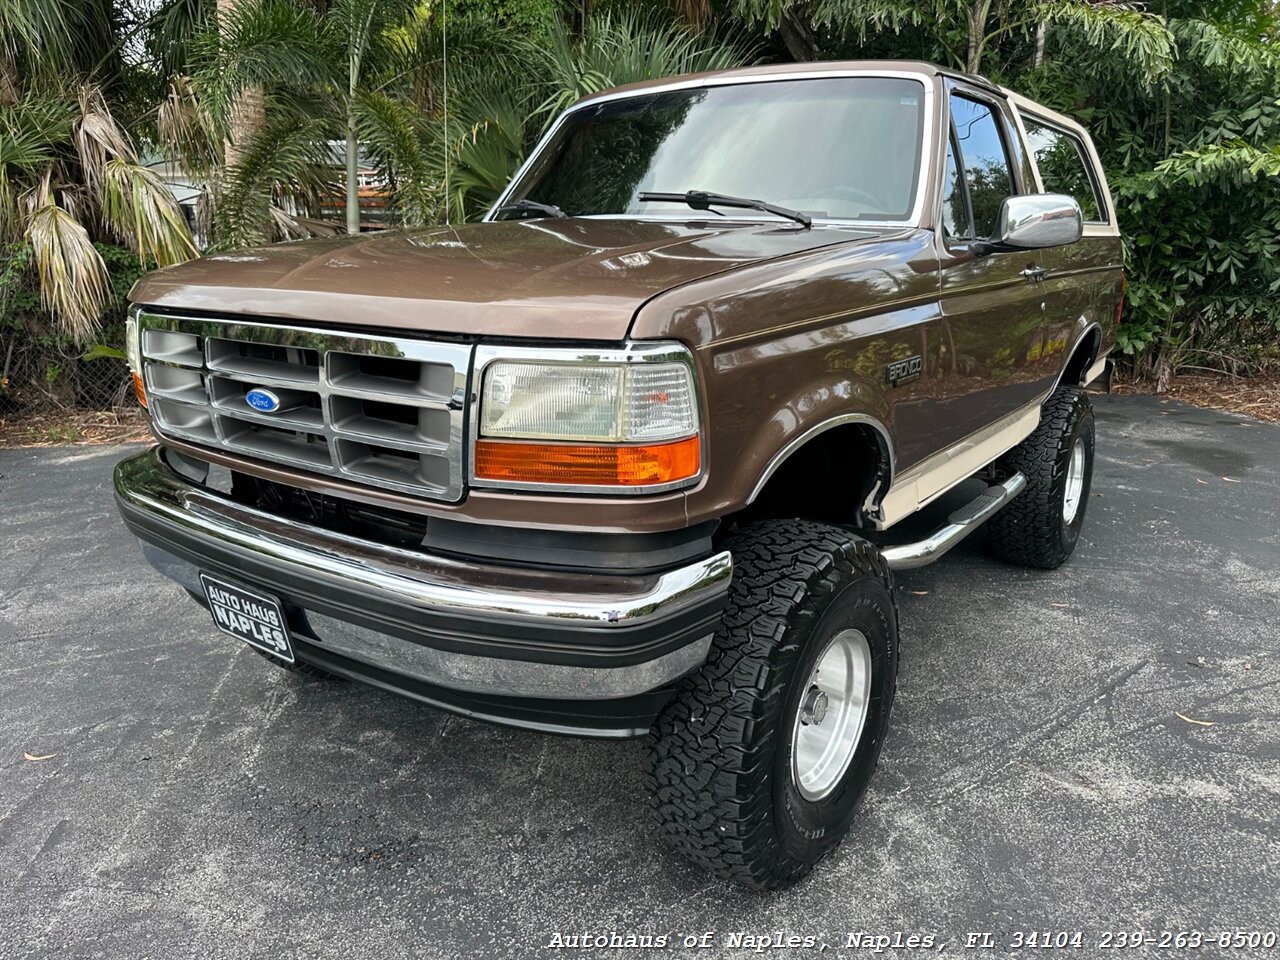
(1064, 167)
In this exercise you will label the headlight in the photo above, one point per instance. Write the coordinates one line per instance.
(133, 350)
(617, 419)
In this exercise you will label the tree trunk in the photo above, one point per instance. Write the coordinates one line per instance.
(797, 36)
(353, 174)
(1042, 29)
(353, 144)
(248, 110)
(978, 15)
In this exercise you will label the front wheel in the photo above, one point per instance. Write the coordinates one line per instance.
(1040, 527)
(758, 765)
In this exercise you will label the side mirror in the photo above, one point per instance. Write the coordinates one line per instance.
(1033, 221)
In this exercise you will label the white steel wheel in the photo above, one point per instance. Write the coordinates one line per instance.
(1075, 482)
(832, 714)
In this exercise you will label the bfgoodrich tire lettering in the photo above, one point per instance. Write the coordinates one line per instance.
(1035, 530)
(720, 770)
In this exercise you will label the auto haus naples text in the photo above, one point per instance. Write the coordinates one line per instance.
(760, 941)
(246, 616)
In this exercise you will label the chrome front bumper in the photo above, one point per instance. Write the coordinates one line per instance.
(450, 626)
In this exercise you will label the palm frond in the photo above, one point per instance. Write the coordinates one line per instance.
(391, 135)
(29, 133)
(142, 211)
(74, 285)
(625, 48)
(97, 138)
(262, 43)
(186, 130)
(35, 29)
(172, 28)
(287, 157)
(40, 117)
(51, 40)
(492, 143)
(364, 24)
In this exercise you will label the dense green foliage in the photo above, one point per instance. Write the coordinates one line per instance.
(445, 97)
(1181, 98)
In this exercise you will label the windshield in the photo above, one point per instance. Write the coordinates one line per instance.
(845, 148)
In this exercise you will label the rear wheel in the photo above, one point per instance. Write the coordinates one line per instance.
(758, 765)
(1040, 527)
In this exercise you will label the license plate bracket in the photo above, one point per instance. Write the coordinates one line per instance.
(248, 615)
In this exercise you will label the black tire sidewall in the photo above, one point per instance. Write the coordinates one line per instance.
(809, 829)
(1081, 428)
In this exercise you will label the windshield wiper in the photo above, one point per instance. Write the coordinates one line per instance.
(702, 200)
(533, 206)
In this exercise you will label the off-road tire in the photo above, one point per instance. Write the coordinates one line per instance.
(719, 769)
(1031, 531)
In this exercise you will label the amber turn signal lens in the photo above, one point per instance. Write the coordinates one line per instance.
(632, 465)
(139, 389)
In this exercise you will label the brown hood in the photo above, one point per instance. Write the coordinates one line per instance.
(580, 279)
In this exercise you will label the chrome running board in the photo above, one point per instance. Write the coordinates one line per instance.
(960, 524)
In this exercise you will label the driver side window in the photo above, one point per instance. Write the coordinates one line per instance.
(984, 161)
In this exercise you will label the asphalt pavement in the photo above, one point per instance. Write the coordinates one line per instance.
(1094, 749)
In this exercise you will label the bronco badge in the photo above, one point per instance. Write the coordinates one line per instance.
(900, 371)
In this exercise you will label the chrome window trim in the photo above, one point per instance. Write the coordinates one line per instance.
(913, 219)
(638, 351)
(324, 342)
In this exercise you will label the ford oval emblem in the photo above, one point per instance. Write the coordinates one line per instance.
(262, 400)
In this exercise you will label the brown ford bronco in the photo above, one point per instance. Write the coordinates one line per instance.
(627, 458)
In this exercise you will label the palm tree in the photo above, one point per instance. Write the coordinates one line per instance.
(277, 81)
(372, 74)
(496, 115)
(68, 171)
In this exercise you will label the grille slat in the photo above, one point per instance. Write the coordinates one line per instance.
(311, 421)
(420, 428)
(255, 371)
(375, 410)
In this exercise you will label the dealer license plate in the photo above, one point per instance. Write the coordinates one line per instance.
(249, 616)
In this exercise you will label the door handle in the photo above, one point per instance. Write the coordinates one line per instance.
(1035, 273)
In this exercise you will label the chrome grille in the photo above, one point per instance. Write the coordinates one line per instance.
(376, 410)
